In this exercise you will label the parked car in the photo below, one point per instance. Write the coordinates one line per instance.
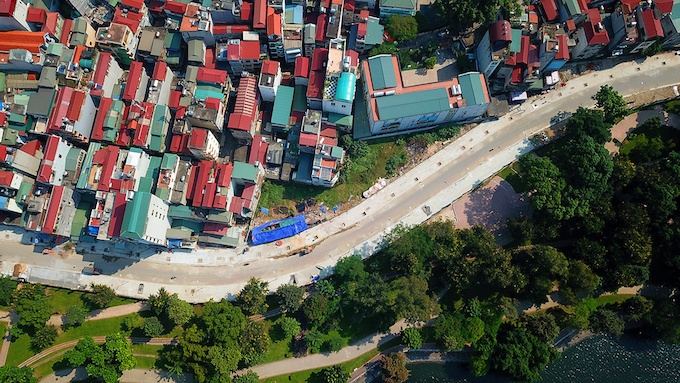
(91, 270)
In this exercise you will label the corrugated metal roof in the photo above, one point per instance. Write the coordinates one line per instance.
(136, 212)
(413, 104)
(283, 105)
(346, 87)
(382, 72)
(472, 88)
(244, 171)
(401, 4)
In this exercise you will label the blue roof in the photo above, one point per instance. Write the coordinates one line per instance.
(293, 14)
(346, 86)
(278, 229)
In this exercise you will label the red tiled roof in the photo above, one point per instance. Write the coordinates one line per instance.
(131, 19)
(201, 180)
(571, 25)
(583, 4)
(7, 7)
(221, 29)
(30, 147)
(349, 5)
(500, 31)
(246, 105)
(258, 150)
(246, 11)
(30, 41)
(214, 76)
(53, 210)
(315, 87)
(594, 34)
(364, 13)
(328, 131)
(665, 6)
(212, 103)
(77, 101)
(117, 214)
(652, 25)
(36, 15)
(3, 118)
(307, 139)
(523, 57)
(210, 61)
(319, 57)
(248, 192)
(175, 7)
(136, 4)
(179, 142)
(353, 57)
(629, 5)
(133, 81)
(321, 24)
(107, 157)
(100, 72)
(550, 8)
(224, 172)
(274, 23)
(260, 14)
(175, 96)
(98, 127)
(236, 205)
(209, 195)
(302, 67)
(563, 49)
(159, 71)
(270, 67)
(197, 138)
(517, 75)
(66, 31)
(6, 178)
(250, 50)
(533, 17)
(215, 228)
(156, 6)
(51, 22)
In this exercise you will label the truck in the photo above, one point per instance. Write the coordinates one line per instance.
(91, 270)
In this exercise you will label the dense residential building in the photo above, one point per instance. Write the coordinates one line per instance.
(393, 108)
(270, 79)
(340, 80)
(243, 121)
(397, 7)
(13, 15)
(119, 40)
(146, 220)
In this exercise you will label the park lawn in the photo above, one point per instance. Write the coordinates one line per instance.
(150, 349)
(672, 107)
(279, 348)
(146, 363)
(3, 327)
(359, 175)
(19, 350)
(349, 366)
(604, 300)
(62, 299)
(512, 175)
(669, 136)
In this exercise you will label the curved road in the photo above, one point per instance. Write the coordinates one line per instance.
(435, 183)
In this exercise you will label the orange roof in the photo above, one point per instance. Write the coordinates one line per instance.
(31, 41)
(274, 26)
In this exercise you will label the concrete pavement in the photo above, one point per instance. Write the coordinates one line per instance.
(435, 183)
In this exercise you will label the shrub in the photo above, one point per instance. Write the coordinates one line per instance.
(411, 338)
(430, 62)
(336, 344)
(153, 327)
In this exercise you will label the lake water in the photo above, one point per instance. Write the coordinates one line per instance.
(597, 359)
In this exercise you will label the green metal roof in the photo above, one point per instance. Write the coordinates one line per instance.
(179, 211)
(24, 190)
(154, 166)
(472, 88)
(41, 103)
(283, 104)
(340, 119)
(573, 7)
(54, 49)
(173, 40)
(337, 152)
(413, 104)
(9, 137)
(3, 78)
(145, 184)
(374, 31)
(219, 216)
(184, 224)
(80, 218)
(382, 72)
(134, 219)
(346, 87)
(244, 171)
(156, 143)
(516, 43)
(174, 233)
(160, 120)
(80, 25)
(169, 161)
(403, 4)
(163, 193)
(72, 159)
(675, 15)
(196, 50)
(300, 98)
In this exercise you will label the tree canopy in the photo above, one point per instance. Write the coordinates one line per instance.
(253, 297)
(106, 361)
(394, 368)
(611, 102)
(13, 374)
(402, 28)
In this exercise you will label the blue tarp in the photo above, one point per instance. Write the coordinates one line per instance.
(174, 243)
(94, 230)
(278, 229)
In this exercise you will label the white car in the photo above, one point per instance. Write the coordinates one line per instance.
(677, 53)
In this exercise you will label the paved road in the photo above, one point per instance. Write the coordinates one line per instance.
(436, 182)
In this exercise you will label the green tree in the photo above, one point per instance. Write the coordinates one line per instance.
(542, 265)
(334, 374)
(412, 338)
(75, 316)
(545, 183)
(386, 47)
(401, 27)
(158, 303)
(7, 288)
(605, 320)
(253, 297)
(44, 337)
(289, 327)
(130, 323)
(393, 368)
(404, 58)
(13, 374)
(592, 122)
(106, 362)
(462, 15)
(314, 340)
(448, 331)
(325, 288)
(521, 355)
(542, 325)
(318, 310)
(355, 149)
(153, 327)
(336, 343)
(101, 296)
(254, 341)
(430, 62)
(179, 312)
(413, 301)
(31, 304)
(611, 102)
(290, 297)
(636, 307)
(581, 278)
(248, 377)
